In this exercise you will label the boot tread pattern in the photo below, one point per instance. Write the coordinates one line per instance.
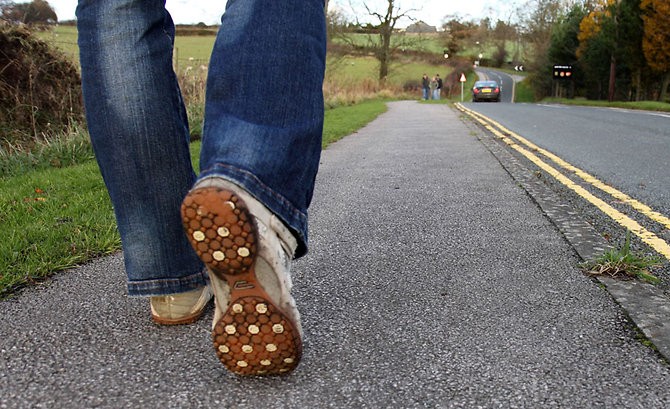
(220, 230)
(254, 336)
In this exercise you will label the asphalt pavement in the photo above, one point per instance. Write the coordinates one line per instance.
(433, 281)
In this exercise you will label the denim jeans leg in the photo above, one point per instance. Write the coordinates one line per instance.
(138, 127)
(264, 106)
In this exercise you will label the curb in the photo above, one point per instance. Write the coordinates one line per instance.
(646, 305)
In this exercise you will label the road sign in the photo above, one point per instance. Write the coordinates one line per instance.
(562, 72)
(462, 80)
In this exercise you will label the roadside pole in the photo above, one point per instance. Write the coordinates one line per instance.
(462, 80)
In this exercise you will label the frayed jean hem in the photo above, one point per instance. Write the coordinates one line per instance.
(165, 286)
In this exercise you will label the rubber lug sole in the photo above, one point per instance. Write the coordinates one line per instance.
(254, 336)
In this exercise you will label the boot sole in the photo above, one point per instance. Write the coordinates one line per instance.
(180, 321)
(254, 336)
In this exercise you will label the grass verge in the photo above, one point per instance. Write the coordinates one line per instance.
(53, 219)
(56, 218)
(523, 92)
(642, 105)
(343, 121)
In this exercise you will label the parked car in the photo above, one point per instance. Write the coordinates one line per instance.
(486, 91)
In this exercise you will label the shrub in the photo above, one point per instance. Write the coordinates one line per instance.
(452, 83)
(40, 91)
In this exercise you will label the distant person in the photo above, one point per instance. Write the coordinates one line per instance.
(438, 90)
(433, 87)
(234, 229)
(425, 86)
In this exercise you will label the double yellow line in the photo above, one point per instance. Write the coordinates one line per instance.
(528, 149)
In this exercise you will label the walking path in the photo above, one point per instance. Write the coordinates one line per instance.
(433, 280)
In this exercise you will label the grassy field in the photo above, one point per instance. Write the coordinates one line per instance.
(350, 68)
(187, 49)
(429, 42)
(358, 74)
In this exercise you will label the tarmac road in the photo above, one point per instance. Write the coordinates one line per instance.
(433, 281)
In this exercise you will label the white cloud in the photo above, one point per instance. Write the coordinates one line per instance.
(192, 12)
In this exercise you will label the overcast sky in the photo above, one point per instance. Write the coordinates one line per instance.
(430, 11)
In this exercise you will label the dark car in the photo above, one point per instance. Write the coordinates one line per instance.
(486, 91)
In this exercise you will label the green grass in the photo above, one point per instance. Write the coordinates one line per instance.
(356, 69)
(624, 263)
(434, 43)
(642, 105)
(57, 151)
(193, 49)
(343, 121)
(64, 38)
(428, 42)
(57, 218)
(51, 220)
(523, 92)
(350, 68)
(187, 49)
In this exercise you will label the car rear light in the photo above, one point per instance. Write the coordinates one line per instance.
(475, 90)
(497, 90)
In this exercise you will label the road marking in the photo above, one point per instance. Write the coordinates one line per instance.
(657, 114)
(552, 106)
(645, 235)
(588, 178)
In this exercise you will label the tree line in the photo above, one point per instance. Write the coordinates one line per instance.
(618, 49)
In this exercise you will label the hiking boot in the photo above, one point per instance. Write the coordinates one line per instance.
(247, 249)
(181, 308)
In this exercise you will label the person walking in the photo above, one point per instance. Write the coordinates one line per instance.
(233, 230)
(438, 90)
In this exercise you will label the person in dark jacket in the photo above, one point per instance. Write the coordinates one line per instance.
(438, 90)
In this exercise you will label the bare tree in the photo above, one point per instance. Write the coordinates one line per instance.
(380, 44)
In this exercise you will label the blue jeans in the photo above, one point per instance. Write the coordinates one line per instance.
(262, 129)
